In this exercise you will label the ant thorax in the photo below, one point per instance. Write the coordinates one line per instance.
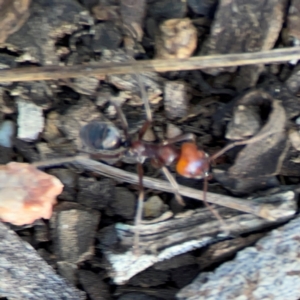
(161, 155)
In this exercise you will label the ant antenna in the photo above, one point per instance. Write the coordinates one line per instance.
(240, 143)
(122, 119)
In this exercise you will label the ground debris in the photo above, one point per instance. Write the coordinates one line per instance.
(24, 275)
(293, 21)
(133, 13)
(164, 240)
(241, 26)
(74, 228)
(94, 286)
(48, 20)
(30, 120)
(127, 36)
(177, 38)
(13, 14)
(167, 9)
(248, 174)
(272, 264)
(176, 99)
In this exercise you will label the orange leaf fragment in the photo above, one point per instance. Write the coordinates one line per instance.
(26, 193)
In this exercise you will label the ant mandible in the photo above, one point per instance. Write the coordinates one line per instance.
(190, 162)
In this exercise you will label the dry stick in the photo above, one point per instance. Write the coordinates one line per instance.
(174, 184)
(158, 65)
(261, 210)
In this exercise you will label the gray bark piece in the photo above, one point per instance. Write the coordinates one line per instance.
(244, 26)
(25, 275)
(184, 233)
(48, 21)
(270, 270)
(74, 228)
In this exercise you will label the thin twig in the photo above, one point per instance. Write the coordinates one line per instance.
(161, 65)
(262, 210)
(174, 184)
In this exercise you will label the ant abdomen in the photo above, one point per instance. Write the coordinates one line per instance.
(100, 136)
(192, 163)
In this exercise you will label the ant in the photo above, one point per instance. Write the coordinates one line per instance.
(190, 162)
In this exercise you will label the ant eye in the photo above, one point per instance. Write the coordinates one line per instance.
(100, 136)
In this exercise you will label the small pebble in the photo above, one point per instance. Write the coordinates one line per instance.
(177, 38)
(176, 100)
(30, 120)
(173, 131)
(7, 130)
(154, 207)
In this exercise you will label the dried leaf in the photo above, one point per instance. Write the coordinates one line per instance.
(26, 193)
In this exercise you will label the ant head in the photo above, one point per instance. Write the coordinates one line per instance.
(100, 136)
(192, 163)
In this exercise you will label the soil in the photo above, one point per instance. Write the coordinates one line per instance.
(89, 240)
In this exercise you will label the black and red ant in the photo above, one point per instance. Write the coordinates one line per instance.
(190, 162)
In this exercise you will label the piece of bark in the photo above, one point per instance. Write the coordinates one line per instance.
(269, 270)
(13, 14)
(24, 275)
(167, 239)
(73, 229)
(48, 21)
(254, 166)
(243, 26)
(221, 251)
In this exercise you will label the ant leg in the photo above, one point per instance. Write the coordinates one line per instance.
(139, 212)
(174, 185)
(240, 143)
(213, 211)
(144, 97)
(180, 138)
